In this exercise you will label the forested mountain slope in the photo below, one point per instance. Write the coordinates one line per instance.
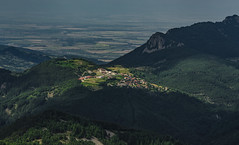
(200, 60)
(57, 128)
(111, 94)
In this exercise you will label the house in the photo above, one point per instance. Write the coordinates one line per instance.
(103, 71)
(88, 77)
(81, 78)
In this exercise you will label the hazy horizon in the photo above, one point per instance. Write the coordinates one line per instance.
(100, 29)
(184, 11)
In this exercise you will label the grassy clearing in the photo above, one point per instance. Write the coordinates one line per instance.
(119, 69)
(75, 63)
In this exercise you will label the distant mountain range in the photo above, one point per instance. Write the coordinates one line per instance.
(19, 59)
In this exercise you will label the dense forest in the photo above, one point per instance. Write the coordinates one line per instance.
(58, 128)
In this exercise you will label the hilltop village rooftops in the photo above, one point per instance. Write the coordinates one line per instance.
(103, 73)
(122, 79)
(86, 77)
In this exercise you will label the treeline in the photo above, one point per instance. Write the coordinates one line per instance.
(57, 128)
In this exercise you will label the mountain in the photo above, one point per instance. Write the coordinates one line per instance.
(219, 39)
(178, 84)
(113, 94)
(5, 76)
(200, 60)
(20, 59)
(51, 127)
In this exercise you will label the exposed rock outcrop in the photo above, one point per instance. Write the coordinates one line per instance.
(231, 20)
(155, 43)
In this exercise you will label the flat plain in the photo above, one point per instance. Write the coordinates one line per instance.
(98, 39)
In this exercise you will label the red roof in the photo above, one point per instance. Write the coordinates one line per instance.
(82, 78)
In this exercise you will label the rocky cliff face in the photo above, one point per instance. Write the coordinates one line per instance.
(232, 20)
(155, 43)
(158, 41)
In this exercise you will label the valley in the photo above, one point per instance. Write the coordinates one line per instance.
(90, 38)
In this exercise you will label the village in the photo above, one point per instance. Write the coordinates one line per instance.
(120, 77)
(99, 73)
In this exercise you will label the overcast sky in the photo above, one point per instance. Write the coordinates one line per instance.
(165, 9)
